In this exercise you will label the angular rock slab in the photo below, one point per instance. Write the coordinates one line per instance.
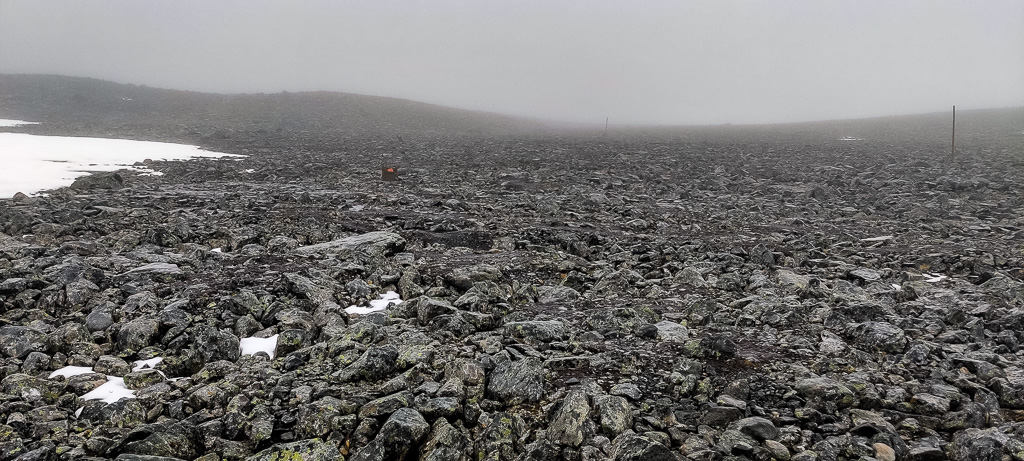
(373, 243)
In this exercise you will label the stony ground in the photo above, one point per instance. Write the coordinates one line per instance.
(575, 297)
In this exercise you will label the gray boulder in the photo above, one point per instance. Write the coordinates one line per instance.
(571, 423)
(137, 334)
(400, 435)
(882, 336)
(375, 364)
(978, 445)
(516, 382)
(171, 439)
(543, 331)
(18, 341)
(633, 447)
(446, 443)
(157, 269)
(305, 450)
(556, 294)
(672, 331)
(372, 244)
(825, 389)
(211, 344)
(614, 413)
(98, 181)
(756, 427)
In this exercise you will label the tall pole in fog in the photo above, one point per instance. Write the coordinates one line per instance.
(606, 126)
(952, 144)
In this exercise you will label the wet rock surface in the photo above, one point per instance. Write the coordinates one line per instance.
(729, 295)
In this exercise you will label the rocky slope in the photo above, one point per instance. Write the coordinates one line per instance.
(572, 297)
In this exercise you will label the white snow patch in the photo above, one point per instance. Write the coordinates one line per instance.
(78, 412)
(897, 287)
(217, 250)
(248, 170)
(932, 278)
(111, 391)
(252, 345)
(33, 163)
(146, 171)
(144, 364)
(850, 138)
(386, 299)
(877, 239)
(9, 123)
(70, 371)
(357, 207)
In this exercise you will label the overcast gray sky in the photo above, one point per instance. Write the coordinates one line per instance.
(634, 61)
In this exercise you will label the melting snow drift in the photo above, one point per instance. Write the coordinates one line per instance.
(111, 391)
(385, 300)
(5, 123)
(34, 163)
(70, 371)
(145, 364)
(250, 346)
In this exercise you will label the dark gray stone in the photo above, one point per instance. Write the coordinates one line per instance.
(516, 382)
(305, 450)
(18, 341)
(570, 424)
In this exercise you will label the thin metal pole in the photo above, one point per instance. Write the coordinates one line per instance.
(952, 146)
(606, 126)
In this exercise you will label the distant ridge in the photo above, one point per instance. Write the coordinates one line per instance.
(87, 104)
(319, 120)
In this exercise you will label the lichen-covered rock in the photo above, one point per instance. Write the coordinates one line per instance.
(614, 413)
(538, 331)
(305, 450)
(633, 447)
(428, 308)
(374, 364)
(497, 442)
(671, 331)
(398, 437)
(18, 341)
(386, 405)
(142, 378)
(556, 294)
(516, 382)
(126, 413)
(137, 334)
(825, 389)
(756, 427)
(570, 424)
(372, 243)
(318, 418)
(98, 181)
(881, 336)
(446, 443)
(978, 445)
(171, 439)
(211, 344)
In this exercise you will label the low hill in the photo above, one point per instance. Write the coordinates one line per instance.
(322, 121)
(90, 106)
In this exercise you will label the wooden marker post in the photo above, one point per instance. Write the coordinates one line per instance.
(952, 145)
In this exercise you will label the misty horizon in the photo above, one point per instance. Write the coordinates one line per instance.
(700, 63)
(600, 122)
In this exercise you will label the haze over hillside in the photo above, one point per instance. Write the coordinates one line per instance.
(72, 105)
(86, 103)
(646, 62)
